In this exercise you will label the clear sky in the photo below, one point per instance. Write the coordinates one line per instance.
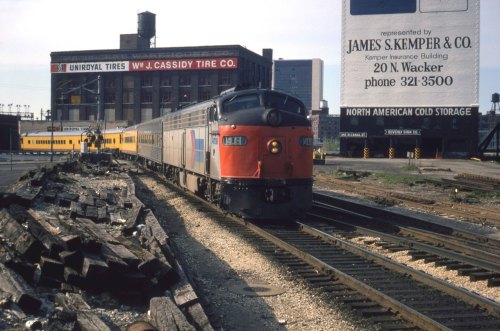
(295, 29)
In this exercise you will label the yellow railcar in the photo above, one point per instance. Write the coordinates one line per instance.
(68, 141)
(61, 141)
(129, 141)
(112, 139)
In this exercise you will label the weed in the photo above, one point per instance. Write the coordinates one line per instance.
(396, 178)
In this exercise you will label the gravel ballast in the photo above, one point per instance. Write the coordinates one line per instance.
(220, 261)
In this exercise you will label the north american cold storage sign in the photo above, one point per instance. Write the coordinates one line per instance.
(410, 52)
(146, 65)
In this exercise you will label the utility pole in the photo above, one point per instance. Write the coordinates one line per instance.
(10, 147)
(99, 86)
(52, 107)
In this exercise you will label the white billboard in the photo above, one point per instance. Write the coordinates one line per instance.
(410, 53)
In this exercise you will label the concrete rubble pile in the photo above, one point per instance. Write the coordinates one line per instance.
(62, 241)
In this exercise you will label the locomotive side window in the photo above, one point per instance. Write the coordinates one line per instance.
(241, 102)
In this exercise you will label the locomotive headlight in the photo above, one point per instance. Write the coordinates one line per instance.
(274, 146)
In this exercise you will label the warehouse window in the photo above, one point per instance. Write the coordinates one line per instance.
(224, 78)
(128, 96)
(184, 80)
(165, 95)
(204, 79)
(146, 96)
(146, 114)
(109, 114)
(128, 82)
(204, 95)
(146, 80)
(165, 79)
(109, 82)
(184, 95)
(426, 123)
(109, 97)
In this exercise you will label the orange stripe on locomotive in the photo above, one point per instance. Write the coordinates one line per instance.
(253, 158)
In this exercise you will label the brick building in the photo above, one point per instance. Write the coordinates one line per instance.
(138, 82)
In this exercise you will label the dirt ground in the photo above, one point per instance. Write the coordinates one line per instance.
(429, 167)
(371, 172)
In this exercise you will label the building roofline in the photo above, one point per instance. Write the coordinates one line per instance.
(195, 49)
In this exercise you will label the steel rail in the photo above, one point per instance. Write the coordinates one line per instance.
(483, 252)
(478, 257)
(407, 312)
(381, 214)
(467, 296)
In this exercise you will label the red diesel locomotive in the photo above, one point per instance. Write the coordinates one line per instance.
(248, 151)
(265, 143)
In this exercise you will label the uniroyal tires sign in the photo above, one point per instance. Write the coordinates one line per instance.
(146, 65)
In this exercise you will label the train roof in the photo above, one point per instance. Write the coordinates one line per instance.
(66, 133)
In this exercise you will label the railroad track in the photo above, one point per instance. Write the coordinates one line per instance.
(443, 207)
(473, 182)
(383, 291)
(390, 294)
(470, 254)
(379, 287)
(394, 220)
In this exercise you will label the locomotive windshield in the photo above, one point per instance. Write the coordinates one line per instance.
(239, 102)
(279, 101)
(285, 103)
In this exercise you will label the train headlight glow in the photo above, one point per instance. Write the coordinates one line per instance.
(234, 140)
(274, 146)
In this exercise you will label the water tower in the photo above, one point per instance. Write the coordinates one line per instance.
(495, 103)
(146, 29)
